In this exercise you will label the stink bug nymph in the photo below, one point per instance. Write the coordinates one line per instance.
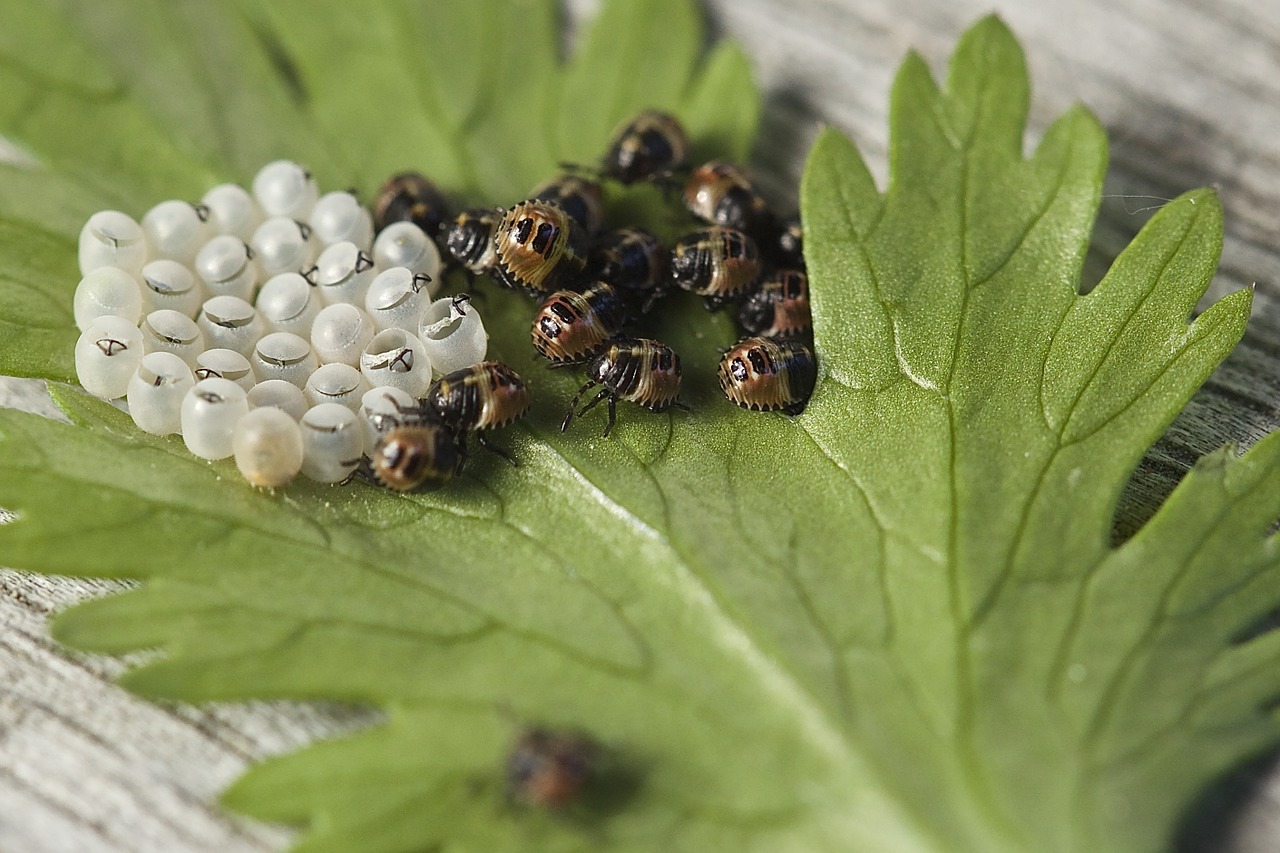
(537, 248)
(632, 260)
(549, 769)
(717, 263)
(581, 198)
(765, 375)
(570, 326)
(721, 193)
(410, 197)
(780, 308)
(476, 399)
(642, 370)
(416, 454)
(470, 239)
(648, 147)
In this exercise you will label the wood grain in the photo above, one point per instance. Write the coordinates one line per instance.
(1189, 93)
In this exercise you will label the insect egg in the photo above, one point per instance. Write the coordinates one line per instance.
(549, 769)
(332, 443)
(229, 322)
(718, 264)
(225, 363)
(165, 330)
(403, 244)
(112, 239)
(536, 248)
(343, 273)
(470, 239)
(267, 445)
(569, 327)
(156, 392)
(397, 298)
(339, 218)
(642, 370)
(647, 147)
(336, 383)
(209, 414)
(340, 333)
(453, 335)
(284, 188)
(169, 284)
(107, 292)
(232, 211)
(281, 244)
(766, 375)
(282, 355)
(288, 303)
(176, 230)
(397, 359)
(412, 456)
(410, 197)
(225, 264)
(279, 394)
(106, 356)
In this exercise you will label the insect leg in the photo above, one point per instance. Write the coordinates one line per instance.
(613, 415)
(493, 448)
(574, 403)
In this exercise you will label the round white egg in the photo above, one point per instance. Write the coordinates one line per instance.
(267, 445)
(283, 355)
(107, 354)
(107, 292)
(209, 414)
(112, 239)
(332, 443)
(395, 358)
(156, 392)
(453, 335)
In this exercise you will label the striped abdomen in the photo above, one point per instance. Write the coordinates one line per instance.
(780, 308)
(480, 397)
(536, 248)
(767, 375)
(641, 370)
(570, 326)
(718, 263)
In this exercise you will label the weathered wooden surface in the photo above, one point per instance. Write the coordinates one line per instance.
(1190, 95)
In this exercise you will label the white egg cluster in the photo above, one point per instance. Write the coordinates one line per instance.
(272, 325)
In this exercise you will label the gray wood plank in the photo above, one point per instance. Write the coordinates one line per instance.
(1190, 95)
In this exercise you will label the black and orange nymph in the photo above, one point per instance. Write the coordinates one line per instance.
(537, 249)
(641, 370)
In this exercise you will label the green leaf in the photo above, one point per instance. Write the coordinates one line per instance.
(895, 623)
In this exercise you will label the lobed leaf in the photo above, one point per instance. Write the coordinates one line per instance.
(895, 623)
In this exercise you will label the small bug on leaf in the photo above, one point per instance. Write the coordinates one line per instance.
(410, 197)
(632, 260)
(765, 375)
(477, 399)
(719, 264)
(648, 147)
(642, 370)
(537, 248)
(416, 454)
(780, 308)
(570, 326)
(470, 239)
(549, 769)
(581, 198)
(721, 193)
